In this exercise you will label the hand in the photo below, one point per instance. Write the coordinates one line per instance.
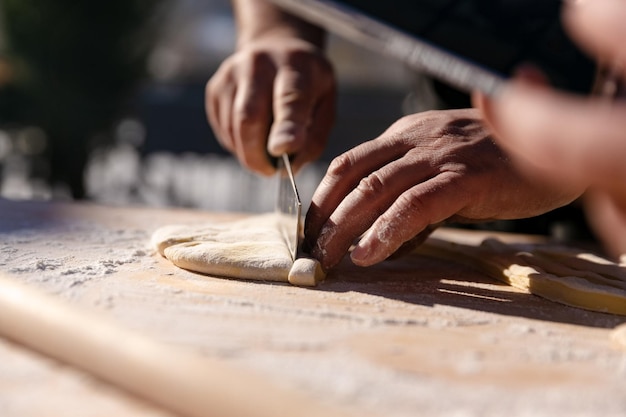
(425, 169)
(581, 140)
(276, 94)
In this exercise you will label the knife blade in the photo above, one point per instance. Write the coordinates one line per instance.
(288, 205)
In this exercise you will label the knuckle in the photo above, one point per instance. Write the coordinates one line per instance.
(341, 165)
(291, 96)
(412, 204)
(372, 185)
(215, 86)
(301, 59)
(293, 88)
(294, 85)
(247, 113)
(258, 59)
(298, 56)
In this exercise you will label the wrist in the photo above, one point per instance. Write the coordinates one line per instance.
(315, 36)
(259, 20)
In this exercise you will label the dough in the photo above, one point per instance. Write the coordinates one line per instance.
(307, 272)
(250, 248)
(560, 274)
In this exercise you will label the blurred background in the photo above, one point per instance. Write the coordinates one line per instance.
(104, 101)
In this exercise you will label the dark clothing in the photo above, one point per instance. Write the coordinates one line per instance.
(498, 34)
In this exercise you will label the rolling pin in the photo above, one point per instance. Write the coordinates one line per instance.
(178, 380)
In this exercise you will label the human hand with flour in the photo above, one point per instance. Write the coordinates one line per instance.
(276, 93)
(426, 168)
(574, 139)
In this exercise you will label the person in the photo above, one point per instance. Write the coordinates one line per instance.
(573, 139)
(276, 94)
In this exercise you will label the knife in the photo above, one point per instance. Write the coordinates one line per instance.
(288, 205)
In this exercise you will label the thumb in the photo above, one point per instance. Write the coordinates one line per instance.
(292, 107)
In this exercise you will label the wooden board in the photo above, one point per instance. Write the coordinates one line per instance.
(414, 336)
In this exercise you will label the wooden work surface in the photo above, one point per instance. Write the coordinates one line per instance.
(408, 337)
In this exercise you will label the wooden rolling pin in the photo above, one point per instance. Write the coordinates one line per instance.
(182, 382)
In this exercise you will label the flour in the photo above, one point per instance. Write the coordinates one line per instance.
(383, 341)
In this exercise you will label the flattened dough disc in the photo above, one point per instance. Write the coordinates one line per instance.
(251, 248)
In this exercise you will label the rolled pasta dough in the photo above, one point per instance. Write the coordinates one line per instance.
(561, 274)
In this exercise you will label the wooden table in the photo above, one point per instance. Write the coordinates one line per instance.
(408, 337)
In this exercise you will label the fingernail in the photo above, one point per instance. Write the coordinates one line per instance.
(362, 251)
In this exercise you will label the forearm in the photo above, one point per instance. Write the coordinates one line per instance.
(260, 18)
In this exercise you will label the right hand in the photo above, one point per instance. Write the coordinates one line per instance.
(275, 95)
(557, 135)
(425, 169)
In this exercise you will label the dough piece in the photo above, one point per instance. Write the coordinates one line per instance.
(564, 275)
(306, 272)
(251, 248)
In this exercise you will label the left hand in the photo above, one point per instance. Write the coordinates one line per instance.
(425, 169)
(275, 95)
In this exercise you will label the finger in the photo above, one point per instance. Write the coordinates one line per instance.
(342, 176)
(252, 115)
(318, 132)
(211, 107)
(359, 210)
(225, 106)
(598, 26)
(483, 103)
(425, 204)
(607, 217)
(294, 100)
(526, 73)
(581, 140)
(219, 95)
